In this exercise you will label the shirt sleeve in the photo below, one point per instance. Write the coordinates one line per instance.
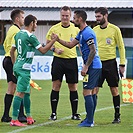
(13, 41)
(121, 46)
(88, 36)
(77, 37)
(34, 41)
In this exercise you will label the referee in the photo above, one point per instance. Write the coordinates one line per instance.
(64, 63)
(109, 37)
(17, 17)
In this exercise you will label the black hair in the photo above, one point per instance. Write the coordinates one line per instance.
(102, 10)
(15, 13)
(82, 14)
(28, 19)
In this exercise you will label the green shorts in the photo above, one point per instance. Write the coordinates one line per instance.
(23, 80)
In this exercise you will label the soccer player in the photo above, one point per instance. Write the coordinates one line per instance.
(25, 43)
(108, 37)
(17, 17)
(92, 65)
(64, 63)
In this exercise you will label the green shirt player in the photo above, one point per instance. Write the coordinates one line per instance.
(25, 43)
(108, 37)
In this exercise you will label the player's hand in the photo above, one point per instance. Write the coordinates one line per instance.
(59, 51)
(54, 37)
(121, 70)
(84, 70)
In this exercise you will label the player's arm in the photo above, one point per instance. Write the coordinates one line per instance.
(54, 49)
(68, 44)
(44, 49)
(64, 43)
(91, 55)
(12, 53)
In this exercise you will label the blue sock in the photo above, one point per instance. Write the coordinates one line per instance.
(95, 102)
(89, 106)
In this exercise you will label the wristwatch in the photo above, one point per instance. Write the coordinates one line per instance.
(53, 49)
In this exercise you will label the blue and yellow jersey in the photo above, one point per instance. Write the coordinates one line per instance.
(66, 34)
(108, 38)
(9, 40)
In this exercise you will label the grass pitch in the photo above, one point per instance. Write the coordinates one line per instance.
(41, 110)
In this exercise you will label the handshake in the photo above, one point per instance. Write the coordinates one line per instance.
(54, 37)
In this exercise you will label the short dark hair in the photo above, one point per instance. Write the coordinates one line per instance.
(65, 8)
(15, 13)
(82, 14)
(28, 19)
(102, 10)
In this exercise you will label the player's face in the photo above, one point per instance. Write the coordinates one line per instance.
(21, 19)
(100, 18)
(76, 21)
(34, 25)
(65, 17)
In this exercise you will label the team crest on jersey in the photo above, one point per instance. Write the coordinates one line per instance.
(108, 40)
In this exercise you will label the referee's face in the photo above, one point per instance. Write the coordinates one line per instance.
(65, 17)
(21, 19)
(100, 18)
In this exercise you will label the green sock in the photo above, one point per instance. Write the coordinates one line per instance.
(16, 107)
(27, 104)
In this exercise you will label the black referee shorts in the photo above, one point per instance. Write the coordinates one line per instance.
(110, 73)
(8, 67)
(61, 66)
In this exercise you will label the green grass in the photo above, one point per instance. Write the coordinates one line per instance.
(41, 111)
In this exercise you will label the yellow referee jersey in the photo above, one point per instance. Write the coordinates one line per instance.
(108, 38)
(67, 34)
(10, 39)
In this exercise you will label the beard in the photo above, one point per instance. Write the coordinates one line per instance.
(101, 22)
(77, 25)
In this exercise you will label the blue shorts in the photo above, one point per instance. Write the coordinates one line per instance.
(90, 81)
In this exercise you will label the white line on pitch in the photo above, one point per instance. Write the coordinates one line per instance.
(62, 119)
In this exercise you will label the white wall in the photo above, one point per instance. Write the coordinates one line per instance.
(41, 32)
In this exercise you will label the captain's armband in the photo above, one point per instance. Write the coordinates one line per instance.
(90, 41)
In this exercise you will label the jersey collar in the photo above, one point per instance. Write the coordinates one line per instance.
(17, 26)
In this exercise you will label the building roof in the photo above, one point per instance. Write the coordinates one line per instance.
(44, 15)
(49, 10)
(71, 3)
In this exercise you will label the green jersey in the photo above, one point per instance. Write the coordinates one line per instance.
(25, 43)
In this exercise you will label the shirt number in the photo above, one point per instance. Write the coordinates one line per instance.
(19, 46)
